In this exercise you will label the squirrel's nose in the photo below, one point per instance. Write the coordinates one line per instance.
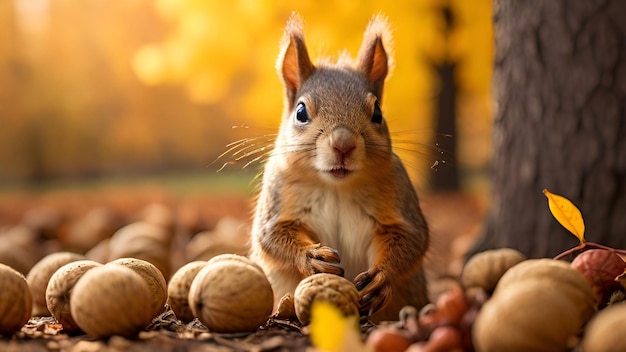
(343, 140)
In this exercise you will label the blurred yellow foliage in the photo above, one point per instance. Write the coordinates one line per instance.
(91, 87)
(224, 53)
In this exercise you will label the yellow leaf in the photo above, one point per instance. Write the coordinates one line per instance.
(332, 331)
(566, 213)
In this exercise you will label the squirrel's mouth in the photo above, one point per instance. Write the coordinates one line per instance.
(339, 172)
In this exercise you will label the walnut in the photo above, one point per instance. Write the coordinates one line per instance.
(60, 288)
(484, 269)
(111, 300)
(327, 288)
(16, 301)
(142, 240)
(155, 280)
(538, 305)
(231, 294)
(178, 289)
(605, 331)
(40, 274)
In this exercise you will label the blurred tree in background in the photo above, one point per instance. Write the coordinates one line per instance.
(90, 88)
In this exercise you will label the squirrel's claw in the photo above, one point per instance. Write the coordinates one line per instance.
(362, 280)
(374, 291)
(324, 259)
(324, 267)
(324, 253)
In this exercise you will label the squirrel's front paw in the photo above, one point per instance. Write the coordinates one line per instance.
(322, 259)
(374, 290)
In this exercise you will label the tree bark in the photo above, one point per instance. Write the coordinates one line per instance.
(560, 123)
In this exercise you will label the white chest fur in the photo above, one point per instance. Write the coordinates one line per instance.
(340, 221)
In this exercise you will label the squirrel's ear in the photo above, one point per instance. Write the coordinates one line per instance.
(372, 59)
(294, 65)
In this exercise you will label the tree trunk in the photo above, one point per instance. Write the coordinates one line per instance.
(560, 123)
(447, 177)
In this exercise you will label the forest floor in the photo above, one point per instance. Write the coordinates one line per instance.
(455, 221)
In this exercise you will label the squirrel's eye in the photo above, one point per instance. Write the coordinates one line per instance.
(377, 116)
(302, 116)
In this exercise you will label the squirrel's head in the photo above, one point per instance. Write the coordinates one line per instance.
(332, 122)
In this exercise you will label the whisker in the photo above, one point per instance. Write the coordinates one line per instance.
(241, 149)
(224, 165)
(264, 152)
(287, 149)
(432, 147)
(256, 181)
(436, 137)
(254, 160)
(411, 132)
(307, 154)
(241, 141)
(418, 148)
(420, 132)
(235, 145)
(249, 152)
(408, 141)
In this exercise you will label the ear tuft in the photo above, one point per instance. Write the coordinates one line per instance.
(372, 59)
(294, 65)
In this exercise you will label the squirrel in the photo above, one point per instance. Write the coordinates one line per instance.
(334, 197)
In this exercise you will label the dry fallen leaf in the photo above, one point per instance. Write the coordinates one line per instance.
(566, 213)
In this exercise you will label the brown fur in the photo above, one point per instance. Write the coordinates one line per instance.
(334, 197)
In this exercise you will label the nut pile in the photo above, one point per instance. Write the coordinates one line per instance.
(504, 302)
(134, 258)
(120, 283)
